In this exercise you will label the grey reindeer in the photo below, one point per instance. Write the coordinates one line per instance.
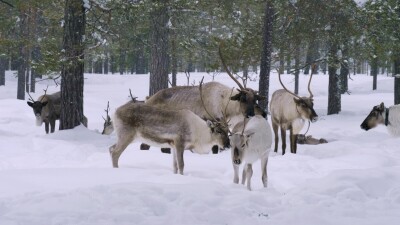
(177, 129)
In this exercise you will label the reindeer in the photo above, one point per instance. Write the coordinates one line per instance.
(218, 98)
(309, 140)
(289, 112)
(46, 109)
(379, 114)
(108, 127)
(251, 140)
(178, 129)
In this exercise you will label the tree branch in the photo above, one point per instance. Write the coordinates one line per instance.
(9, 4)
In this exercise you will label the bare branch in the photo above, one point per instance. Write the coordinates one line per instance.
(7, 3)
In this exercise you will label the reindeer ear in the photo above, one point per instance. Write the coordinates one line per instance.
(296, 100)
(44, 103)
(236, 97)
(30, 104)
(382, 106)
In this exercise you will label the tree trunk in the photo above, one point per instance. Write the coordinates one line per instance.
(106, 61)
(265, 64)
(344, 70)
(312, 55)
(396, 73)
(174, 60)
(374, 72)
(72, 79)
(281, 60)
(334, 96)
(122, 58)
(3, 67)
(296, 67)
(159, 47)
(288, 62)
(21, 62)
(140, 61)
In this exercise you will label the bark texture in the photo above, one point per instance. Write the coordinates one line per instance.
(72, 70)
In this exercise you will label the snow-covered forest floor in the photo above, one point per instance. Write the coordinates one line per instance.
(67, 177)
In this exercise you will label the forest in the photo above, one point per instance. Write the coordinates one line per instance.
(163, 38)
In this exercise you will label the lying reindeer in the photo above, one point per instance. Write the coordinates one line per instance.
(309, 140)
(390, 117)
(251, 140)
(178, 129)
(47, 110)
(289, 112)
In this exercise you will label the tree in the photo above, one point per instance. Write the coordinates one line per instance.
(72, 79)
(265, 67)
(159, 46)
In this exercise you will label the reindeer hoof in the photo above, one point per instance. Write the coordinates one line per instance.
(215, 149)
(144, 147)
(166, 150)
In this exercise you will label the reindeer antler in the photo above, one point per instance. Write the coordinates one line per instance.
(313, 70)
(30, 97)
(279, 75)
(224, 121)
(226, 67)
(107, 110)
(133, 98)
(45, 92)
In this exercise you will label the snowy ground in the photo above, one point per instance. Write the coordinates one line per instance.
(66, 177)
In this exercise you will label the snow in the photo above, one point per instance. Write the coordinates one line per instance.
(67, 177)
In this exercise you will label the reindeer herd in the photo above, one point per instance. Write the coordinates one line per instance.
(212, 116)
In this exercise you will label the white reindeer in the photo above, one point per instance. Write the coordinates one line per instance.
(178, 129)
(251, 140)
(379, 114)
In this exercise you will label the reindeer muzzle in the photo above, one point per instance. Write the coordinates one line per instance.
(364, 126)
(314, 119)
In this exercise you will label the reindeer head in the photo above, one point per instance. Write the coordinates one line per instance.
(37, 107)
(239, 144)
(304, 105)
(247, 97)
(220, 131)
(374, 118)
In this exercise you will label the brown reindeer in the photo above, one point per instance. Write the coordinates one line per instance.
(289, 112)
(46, 109)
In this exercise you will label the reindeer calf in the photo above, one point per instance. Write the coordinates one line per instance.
(178, 129)
(251, 140)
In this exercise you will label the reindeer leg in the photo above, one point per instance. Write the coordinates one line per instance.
(46, 127)
(293, 141)
(117, 149)
(179, 157)
(249, 174)
(236, 174)
(283, 137)
(143, 146)
(174, 161)
(52, 125)
(244, 174)
(264, 177)
(275, 128)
